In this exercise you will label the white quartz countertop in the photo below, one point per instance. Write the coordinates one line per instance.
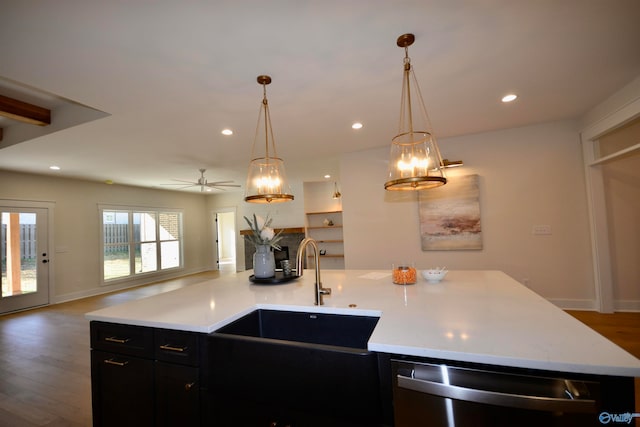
(471, 316)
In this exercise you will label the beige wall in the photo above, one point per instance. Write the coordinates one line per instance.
(76, 256)
(528, 176)
(318, 197)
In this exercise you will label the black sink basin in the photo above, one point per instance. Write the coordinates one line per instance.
(295, 368)
(303, 327)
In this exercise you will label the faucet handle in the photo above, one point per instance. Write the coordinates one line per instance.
(325, 291)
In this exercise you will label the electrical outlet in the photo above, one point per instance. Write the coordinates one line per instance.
(541, 230)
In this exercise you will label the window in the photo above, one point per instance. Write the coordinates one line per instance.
(139, 241)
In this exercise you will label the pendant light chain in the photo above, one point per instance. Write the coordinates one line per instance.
(407, 85)
(268, 129)
(265, 105)
(426, 118)
(255, 136)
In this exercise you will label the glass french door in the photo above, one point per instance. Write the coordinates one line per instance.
(24, 257)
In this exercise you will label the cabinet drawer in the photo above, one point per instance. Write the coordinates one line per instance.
(176, 346)
(123, 339)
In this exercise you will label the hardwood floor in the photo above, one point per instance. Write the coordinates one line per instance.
(621, 328)
(44, 358)
(44, 355)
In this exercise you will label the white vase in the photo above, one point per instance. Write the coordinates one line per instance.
(264, 263)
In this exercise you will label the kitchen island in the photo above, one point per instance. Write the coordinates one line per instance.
(471, 317)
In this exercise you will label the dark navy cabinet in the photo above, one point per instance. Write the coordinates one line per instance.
(144, 376)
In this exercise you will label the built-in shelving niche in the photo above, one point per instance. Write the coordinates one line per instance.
(325, 228)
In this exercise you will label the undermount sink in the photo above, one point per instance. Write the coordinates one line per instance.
(304, 327)
(313, 368)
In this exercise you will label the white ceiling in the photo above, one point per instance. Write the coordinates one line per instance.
(170, 75)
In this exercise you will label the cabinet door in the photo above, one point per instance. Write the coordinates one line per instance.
(177, 395)
(122, 390)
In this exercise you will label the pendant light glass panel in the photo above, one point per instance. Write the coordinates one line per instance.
(266, 181)
(414, 161)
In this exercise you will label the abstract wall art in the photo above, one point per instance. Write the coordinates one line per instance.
(450, 215)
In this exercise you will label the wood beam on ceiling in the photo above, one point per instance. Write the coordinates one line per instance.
(24, 112)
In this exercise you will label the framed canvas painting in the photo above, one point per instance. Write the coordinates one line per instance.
(450, 215)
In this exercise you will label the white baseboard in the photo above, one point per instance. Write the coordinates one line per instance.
(72, 296)
(627, 305)
(590, 305)
(574, 304)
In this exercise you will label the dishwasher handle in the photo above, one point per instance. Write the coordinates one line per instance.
(511, 400)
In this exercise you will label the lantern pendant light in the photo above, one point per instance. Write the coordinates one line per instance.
(266, 180)
(415, 162)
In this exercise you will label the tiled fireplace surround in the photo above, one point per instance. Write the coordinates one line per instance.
(291, 239)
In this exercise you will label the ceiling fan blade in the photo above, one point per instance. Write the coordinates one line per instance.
(202, 183)
(222, 184)
(185, 181)
(184, 184)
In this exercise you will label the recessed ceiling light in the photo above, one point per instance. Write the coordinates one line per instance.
(54, 168)
(357, 125)
(510, 97)
(327, 176)
(227, 132)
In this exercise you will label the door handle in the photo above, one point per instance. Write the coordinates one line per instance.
(512, 400)
(44, 261)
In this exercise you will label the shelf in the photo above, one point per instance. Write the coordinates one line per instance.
(323, 213)
(284, 230)
(327, 236)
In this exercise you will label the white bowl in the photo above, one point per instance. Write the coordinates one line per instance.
(433, 275)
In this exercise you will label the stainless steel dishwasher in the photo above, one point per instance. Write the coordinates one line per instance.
(434, 394)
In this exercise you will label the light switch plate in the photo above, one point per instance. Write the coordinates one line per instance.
(541, 230)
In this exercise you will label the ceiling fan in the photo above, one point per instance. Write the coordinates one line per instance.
(203, 184)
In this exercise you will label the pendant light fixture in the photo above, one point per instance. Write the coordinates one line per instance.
(266, 181)
(336, 193)
(415, 162)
